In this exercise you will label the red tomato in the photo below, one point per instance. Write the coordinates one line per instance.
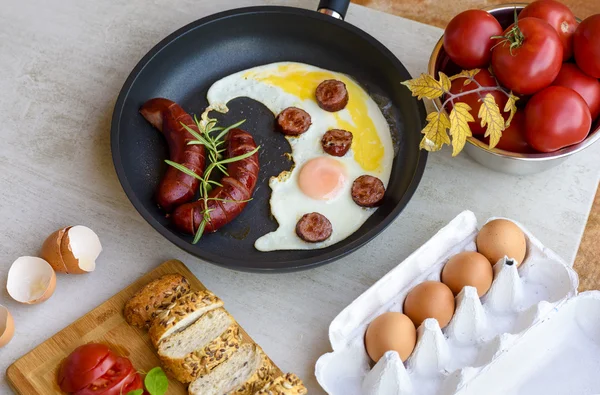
(467, 39)
(571, 76)
(556, 118)
(485, 79)
(586, 44)
(84, 365)
(113, 381)
(135, 384)
(559, 16)
(513, 138)
(534, 60)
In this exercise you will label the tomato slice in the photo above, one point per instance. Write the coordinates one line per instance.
(113, 381)
(84, 365)
(135, 384)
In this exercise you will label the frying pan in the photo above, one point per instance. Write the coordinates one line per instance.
(185, 64)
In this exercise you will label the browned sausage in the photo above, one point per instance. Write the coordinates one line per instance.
(368, 191)
(332, 95)
(237, 187)
(336, 142)
(175, 187)
(313, 228)
(293, 121)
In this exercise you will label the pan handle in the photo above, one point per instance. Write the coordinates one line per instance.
(335, 8)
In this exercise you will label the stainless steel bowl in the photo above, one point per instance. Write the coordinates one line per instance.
(497, 159)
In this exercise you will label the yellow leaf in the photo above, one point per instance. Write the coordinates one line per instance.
(490, 115)
(511, 105)
(445, 81)
(425, 87)
(459, 126)
(466, 74)
(435, 132)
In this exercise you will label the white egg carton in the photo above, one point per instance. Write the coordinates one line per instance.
(530, 334)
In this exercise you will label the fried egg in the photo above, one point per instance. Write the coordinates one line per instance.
(317, 182)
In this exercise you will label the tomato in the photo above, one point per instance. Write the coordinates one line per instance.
(571, 76)
(534, 60)
(559, 16)
(586, 44)
(467, 39)
(135, 384)
(113, 381)
(513, 138)
(84, 365)
(556, 118)
(485, 79)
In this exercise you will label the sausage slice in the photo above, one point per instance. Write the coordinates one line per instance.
(368, 191)
(336, 142)
(332, 95)
(313, 228)
(293, 121)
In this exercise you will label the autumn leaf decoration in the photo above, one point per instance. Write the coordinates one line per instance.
(441, 127)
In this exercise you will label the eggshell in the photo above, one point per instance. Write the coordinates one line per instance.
(79, 249)
(468, 268)
(390, 332)
(430, 299)
(7, 326)
(51, 250)
(499, 238)
(31, 280)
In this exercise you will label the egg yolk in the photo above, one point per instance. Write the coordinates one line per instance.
(322, 178)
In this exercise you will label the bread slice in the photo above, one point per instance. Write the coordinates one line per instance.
(200, 347)
(182, 313)
(154, 298)
(245, 372)
(288, 384)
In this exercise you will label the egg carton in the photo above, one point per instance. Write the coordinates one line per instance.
(512, 340)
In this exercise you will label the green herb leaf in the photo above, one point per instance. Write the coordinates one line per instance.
(196, 135)
(226, 130)
(230, 200)
(240, 157)
(200, 230)
(136, 392)
(156, 381)
(183, 169)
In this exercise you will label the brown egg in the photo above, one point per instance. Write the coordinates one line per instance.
(430, 299)
(468, 268)
(502, 237)
(390, 332)
(72, 250)
(7, 326)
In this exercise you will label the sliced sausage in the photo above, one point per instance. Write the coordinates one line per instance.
(313, 228)
(332, 95)
(175, 187)
(293, 121)
(225, 202)
(368, 191)
(336, 142)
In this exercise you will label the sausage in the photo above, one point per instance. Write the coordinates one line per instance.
(293, 121)
(336, 142)
(313, 228)
(332, 95)
(238, 186)
(175, 187)
(368, 191)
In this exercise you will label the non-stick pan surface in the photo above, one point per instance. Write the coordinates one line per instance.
(184, 65)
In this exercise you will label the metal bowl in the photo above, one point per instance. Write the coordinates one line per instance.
(497, 159)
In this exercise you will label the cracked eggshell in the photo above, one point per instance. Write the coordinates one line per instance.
(79, 249)
(51, 250)
(7, 326)
(31, 280)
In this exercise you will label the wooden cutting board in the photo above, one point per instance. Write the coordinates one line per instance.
(35, 373)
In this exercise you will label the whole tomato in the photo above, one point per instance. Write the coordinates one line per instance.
(529, 58)
(513, 138)
(556, 118)
(586, 45)
(84, 365)
(559, 16)
(467, 39)
(571, 76)
(485, 79)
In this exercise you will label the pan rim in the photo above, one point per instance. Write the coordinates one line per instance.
(226, 262)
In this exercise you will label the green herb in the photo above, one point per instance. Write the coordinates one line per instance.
(156, 381)
(136, 392)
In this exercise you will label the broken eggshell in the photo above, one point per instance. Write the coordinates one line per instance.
(7, 326)
(31, 280)
(72, 250)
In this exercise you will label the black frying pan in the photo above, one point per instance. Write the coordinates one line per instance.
(184, 65)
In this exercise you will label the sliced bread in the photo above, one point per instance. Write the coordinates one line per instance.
(246, 371)
(200, 347)
(288, 384)
(182, 313)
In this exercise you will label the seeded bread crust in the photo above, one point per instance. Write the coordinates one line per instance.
(202, 361)
(288, 384)
(258, 380)
(178, 311)
(153, 298)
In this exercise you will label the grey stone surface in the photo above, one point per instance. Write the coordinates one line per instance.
(62, 64)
